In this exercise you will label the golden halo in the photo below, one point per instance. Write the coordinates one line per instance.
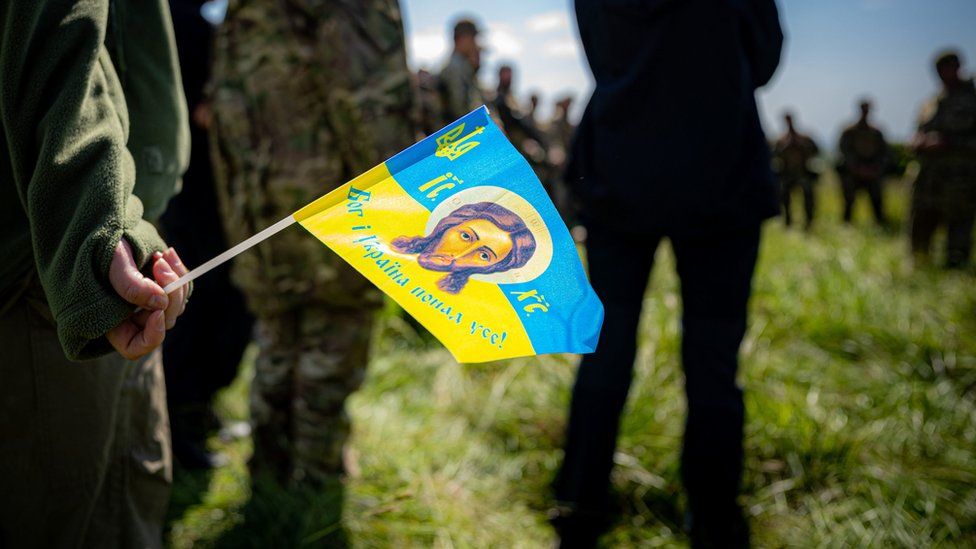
(505, 198)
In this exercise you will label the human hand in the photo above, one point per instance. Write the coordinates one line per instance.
(145, 330)
(203, 115)
(928, 142)
(142, 332)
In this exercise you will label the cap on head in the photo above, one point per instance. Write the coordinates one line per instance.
(946, 58)
(465, 27)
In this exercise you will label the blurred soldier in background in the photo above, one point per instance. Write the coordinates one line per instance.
(559, 135)
(196, 368)
(519, 128)
(536, 148)
(864, 158)
(663, 152)
(307, 96)
(533, 110)
(560, 128)
(791, 161)
(945, 189)
(457, 82)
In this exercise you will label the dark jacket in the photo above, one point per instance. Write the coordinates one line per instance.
(73, 75)
(671, 139)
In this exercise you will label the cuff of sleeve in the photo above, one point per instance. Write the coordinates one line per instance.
(144, 240)
(82, 331)
(82, 334)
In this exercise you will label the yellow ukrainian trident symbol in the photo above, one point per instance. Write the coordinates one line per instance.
(452, 145)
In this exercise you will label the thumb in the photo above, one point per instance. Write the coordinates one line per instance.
(129, 283)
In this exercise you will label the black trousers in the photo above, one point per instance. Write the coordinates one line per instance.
(809, 202)
(851, 185)
(716, 276)
(944, 194)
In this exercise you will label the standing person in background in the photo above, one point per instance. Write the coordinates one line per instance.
(304, 102)
(560, 128)
(662, 152)
(560, 132)
(537, 150)
(196, 368)
(791, 161)
(458, 80)
(519, 126)
(94, 142)
(533, 110)
(864, 157)
(945, 190)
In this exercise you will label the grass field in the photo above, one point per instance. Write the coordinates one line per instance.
(860, 379)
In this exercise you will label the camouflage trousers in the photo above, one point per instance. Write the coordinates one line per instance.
(314, 317)
(307, 95)
(310, 360)
(944, 194)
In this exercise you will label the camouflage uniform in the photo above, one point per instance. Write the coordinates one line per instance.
(945, 189)
(459, 90)
(307, 95)
(791, 156)
(864, 158)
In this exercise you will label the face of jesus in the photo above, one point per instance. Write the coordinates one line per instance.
(476, 239)
(472, 243)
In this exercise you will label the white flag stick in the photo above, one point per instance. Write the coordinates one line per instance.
(224, 257)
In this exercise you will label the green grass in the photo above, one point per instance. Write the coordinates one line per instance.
(860, 378)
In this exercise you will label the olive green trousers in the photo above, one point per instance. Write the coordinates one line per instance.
(85, 455)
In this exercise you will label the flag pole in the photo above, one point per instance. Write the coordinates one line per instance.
(231, 253)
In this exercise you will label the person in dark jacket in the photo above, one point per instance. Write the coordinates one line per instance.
(670, 145)
(793, 153)
(202, 353)
(864, 159)
(93, 142)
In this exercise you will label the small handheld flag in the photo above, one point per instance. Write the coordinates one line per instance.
(460, 233)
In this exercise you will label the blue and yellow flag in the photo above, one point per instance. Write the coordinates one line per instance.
(459, 231)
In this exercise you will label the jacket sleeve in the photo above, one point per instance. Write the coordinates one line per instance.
(65, 120)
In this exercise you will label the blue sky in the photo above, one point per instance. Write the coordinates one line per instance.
(837, 51)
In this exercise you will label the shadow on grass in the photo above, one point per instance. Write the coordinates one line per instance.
(276, 516)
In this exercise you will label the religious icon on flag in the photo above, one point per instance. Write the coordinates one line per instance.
(458, 230)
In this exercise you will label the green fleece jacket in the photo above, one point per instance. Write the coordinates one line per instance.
(68, 69)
